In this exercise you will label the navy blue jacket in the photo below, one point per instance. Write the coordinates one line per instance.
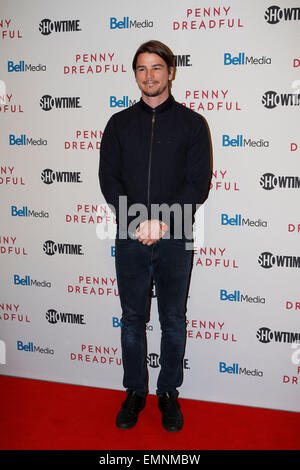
(155, 156)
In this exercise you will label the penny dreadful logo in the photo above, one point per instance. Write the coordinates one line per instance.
(94, 285)
(12, 312)
(8, 177)
(7, 32)
(96, 354)
(210, 100)
(202, 19)
(213, 257)
(85, 140)
(94, 63)
(209, 331)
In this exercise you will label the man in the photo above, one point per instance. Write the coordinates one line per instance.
(155, 154)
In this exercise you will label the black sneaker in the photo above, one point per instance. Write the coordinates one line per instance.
(172, 419)
(129, 412)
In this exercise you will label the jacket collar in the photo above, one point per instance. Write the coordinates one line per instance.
(159, 109)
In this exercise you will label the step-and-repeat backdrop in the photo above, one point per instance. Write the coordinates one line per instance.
(65, 69)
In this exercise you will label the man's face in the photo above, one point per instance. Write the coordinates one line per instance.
(152, 75)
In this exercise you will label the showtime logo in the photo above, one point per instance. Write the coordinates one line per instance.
(50, 248)
(269, 181)
(182, 60)
(49, 176)
(267, 260)
(275, 14)
(53, 317)
(271, 99)
(127, 23)
(65, 102)
(265, 335)
(47, 26)
(153, 361)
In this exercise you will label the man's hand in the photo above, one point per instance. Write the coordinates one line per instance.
(150, 231)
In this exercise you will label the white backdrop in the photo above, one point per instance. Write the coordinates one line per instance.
(65, 69)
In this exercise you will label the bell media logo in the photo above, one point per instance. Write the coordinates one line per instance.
(243, 59)
(127, 23)
(47, 26)
(239, 220)
(24, 140)
(21, 66)
(124, 102)
(269, 181)
(236, 369)
(274, 14)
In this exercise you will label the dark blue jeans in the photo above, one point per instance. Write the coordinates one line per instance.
(169, 263)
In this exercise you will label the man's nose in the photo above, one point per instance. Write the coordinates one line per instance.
(149, 73)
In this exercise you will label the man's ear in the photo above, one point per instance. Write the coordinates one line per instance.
(171, 73)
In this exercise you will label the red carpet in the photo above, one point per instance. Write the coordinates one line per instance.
(46, 415)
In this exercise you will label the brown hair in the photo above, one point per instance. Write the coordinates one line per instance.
(155, 47)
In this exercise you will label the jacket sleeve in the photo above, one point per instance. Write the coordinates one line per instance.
(196, 185)
(110, 172)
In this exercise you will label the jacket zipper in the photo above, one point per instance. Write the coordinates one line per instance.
(150, 157)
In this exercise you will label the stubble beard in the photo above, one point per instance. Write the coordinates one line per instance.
(157, 92)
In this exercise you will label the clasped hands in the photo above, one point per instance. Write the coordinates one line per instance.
(150, 231)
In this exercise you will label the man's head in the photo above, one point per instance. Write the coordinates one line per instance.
(155, 47)
(153, 65)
